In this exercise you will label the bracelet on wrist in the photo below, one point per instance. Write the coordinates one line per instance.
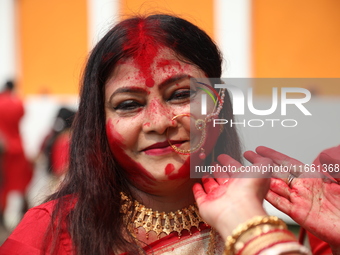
(263, 235)
(266, 241)
(248, 225)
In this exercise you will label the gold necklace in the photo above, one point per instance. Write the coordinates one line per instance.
(161, 222)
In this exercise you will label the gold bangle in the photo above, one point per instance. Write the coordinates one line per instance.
(252, 233)
(286, 248)
(267, 241)
(244, 227)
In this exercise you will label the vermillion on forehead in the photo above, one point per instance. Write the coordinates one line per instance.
(144, 50)
(172, 67)
(164, 63)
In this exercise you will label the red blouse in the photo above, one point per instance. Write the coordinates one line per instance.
(29, 235)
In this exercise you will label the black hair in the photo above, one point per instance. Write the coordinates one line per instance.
(94, 181)
(9, 85)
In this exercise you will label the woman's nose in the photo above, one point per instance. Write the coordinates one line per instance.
(158, 118)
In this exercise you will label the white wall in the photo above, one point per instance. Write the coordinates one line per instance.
(40, 113)
(233, 30)
(8, 41)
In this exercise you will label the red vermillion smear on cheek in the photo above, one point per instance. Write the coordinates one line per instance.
(169, 169)
(183, 172)
(145, 50)
(113, 136)
(136, 172)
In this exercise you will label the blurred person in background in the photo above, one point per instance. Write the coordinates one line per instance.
(52, 161)
(17, 170)
(2, 151)
(56, 144)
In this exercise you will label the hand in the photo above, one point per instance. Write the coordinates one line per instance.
(229, 200)
(331, 163)
(314, 203)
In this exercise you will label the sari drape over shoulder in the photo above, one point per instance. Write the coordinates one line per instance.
(29, 235)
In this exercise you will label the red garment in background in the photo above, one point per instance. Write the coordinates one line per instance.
(319, 247)
(60, 153)
(17, 171)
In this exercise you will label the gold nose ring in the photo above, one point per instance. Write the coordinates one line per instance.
(200, 125)
(176, 149)
(180, 115)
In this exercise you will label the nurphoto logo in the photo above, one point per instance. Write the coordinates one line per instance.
(279, 101)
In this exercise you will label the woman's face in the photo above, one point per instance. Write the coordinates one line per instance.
(140, 104)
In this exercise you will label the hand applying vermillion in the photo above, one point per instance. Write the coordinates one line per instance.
(313, 202)
(228, 200)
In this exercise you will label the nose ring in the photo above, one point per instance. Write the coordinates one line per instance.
(200, 125)
(180, 115)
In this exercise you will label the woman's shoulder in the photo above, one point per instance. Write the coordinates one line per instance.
(46, 209)
(29, 235)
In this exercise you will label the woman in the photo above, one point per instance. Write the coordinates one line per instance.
(136, 81)
(128, 188)
(14, 163)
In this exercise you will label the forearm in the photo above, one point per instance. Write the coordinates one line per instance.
(228, 223)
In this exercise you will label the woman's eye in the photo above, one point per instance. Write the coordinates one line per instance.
(128, 105)
(182, 94)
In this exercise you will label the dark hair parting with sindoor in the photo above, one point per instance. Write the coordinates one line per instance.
(88, 201)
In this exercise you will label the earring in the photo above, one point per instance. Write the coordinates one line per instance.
(202, 154)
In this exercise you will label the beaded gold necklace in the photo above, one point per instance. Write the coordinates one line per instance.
(161, 222)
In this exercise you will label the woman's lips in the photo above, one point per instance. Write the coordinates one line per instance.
(162, 148)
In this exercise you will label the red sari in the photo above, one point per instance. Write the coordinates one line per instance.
(28, 238)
